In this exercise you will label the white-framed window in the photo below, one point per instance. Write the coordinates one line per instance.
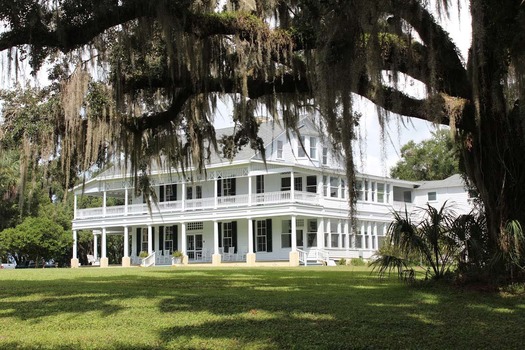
(367, 186)
(311, 184)
(144, 240)
(325, 186)
(360, 189)
(168, 238)
(228, 187)
(279, 150)
(259, 184)
(300, 149)
(432, 196)
(171, 192)
(343, 189)
(286, 184)
(194, 192)
(261, 236)
(313, 147)
(298, 183)
(380, 192)
(325, 156)
(312, 233)
(286, 236)
(227, 235)
(195, 226)
(334, 184)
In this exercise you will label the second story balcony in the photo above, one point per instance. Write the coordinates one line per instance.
(210, 203)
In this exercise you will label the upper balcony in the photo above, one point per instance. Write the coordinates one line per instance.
(211, 203)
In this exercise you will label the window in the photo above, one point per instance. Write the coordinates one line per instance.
(228, 187)
(313, 148)
(312, 233)
(432, 196)
(227, 235)
(325, 186)
(334, 184)
(195, 226)
(407, 196)
(259, 184)
(286, 184)
(286, 236)
(367, 186)
(171, 192)
(279, 149)
(343, 189)
(360, 190)
(168, 238)
(388, 193)
(144, 240)
(380, 192)
(373, 193)
(335, 240)
(311, 184)
(402, 195)
(198, 192)
(261, 237)
(189, 192)
(325, 156)
(298, 183)
(300, 147)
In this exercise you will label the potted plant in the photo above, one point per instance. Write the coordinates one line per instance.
(176, 257)
(143, 255)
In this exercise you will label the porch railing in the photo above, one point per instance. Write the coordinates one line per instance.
(303, 257)
(278, 197)
(149, 261)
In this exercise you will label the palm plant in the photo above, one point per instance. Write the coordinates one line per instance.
(432, 239)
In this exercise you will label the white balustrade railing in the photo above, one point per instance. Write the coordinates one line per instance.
(303, 257)
(277, 197)
(149, 261)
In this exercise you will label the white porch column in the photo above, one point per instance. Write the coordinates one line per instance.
(126, 198)
(74, 260)
(95, 245)
(363, 236)
(339, 235)
(183, 195)
(328, 231)
(104, 203)
(150, 240)
(292, 186)
(216, 257)
(294, 233)
(251, 256)
(250, 190)
(215, 190)
(320, 233)
(104, 262)
(75, 204)
(294, 254)
(184, 244)
(134, 242)
(374, 236)
(126, 261)
(346, 234)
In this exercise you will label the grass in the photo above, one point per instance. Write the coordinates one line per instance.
(241, 308)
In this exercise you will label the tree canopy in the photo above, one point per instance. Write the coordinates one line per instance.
(432, 159)
(162, 65)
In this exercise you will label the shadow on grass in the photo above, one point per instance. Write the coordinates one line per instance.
(272, 309)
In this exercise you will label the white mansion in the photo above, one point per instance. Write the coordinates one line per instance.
(293, 208)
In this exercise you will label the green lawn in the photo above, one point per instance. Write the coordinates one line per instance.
(242, 308)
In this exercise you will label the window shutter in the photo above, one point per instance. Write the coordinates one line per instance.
(161, 194)
(254, 234)
(161, 239)
(220, 233)
(269, 235)
(175, 237)
(139, 240)
(233, 191)
(219, 187)
(153, 238)
(234, 235)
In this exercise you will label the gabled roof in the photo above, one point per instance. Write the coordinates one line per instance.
(451, 181)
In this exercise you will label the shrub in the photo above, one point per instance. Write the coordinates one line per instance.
(143, 254)
(357, 262)
(341, 261)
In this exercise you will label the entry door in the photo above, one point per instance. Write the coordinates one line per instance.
(194, 245)
(300, 240)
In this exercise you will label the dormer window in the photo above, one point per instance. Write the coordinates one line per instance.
(300, 147)
(313, 147)
(279, 150)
